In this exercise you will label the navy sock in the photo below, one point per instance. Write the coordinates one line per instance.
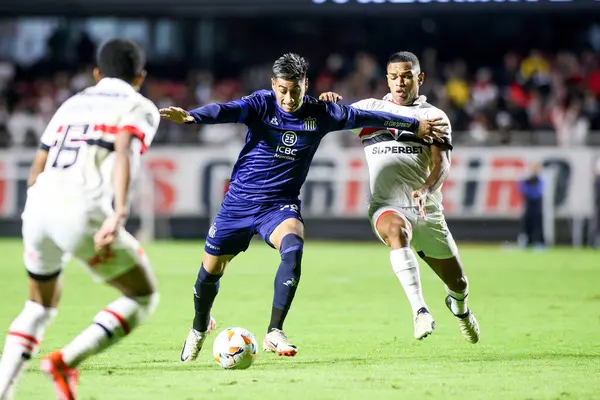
(286, 279)
(205, 291)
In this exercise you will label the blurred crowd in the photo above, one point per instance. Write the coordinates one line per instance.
(558, 94)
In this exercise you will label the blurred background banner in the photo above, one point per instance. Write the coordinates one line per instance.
(483, 183)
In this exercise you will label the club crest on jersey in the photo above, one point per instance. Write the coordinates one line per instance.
(309, 124)
(289, 138)
(286, 150)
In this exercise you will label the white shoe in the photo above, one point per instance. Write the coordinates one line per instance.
(424, 324)
(276, 342)
(467, 323)
(195, 340)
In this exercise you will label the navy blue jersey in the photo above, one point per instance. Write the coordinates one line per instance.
(280, 146)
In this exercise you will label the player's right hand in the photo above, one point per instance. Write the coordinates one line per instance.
(176, 114)
(108, 232)
(330, 96)
(421, 197)
(431, 130)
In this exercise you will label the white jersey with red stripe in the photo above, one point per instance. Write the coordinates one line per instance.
(398, 161)
(80, 139)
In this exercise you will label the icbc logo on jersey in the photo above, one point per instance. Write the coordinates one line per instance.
(286, 150)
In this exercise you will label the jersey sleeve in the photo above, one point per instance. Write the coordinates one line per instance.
(341, 117)
(365, 104)
(142, 122)
(237, 111)
(48, 138)
(348, 118)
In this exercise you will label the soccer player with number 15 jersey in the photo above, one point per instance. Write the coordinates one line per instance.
(77, 204)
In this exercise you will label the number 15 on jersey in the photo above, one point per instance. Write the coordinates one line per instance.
(67, 146)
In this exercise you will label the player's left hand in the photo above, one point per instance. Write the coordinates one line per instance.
(108, 232)
(421, 197)
(176, 114)
(330, 96)
(431, 130)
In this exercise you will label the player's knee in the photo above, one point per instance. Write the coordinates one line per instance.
(291, 250)
(459, 284)
(399, 233)
(215, 265)
(34, 315)
(147, 306)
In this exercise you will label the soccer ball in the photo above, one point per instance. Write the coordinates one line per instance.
(235, 348)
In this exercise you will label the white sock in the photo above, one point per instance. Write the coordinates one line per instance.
(458, 300)
(406, 268)
(22, 342)
(110, 325)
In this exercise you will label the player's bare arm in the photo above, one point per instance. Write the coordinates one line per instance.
(215, 113)
(37, 166)
(121, 179)
(429, 129)
(440, 159)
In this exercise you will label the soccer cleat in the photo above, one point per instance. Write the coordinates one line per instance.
(424, 324)
(276, 342)
(64, 377)
(195, 340)
(466, 322)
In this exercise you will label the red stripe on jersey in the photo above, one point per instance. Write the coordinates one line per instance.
(121, 320)
(110, 129)
(24, 336)
(137, 133)
(369, 131)
(113, 130)
(60, 129)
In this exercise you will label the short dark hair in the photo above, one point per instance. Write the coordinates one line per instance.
(290, 67)
(404, 56)
(121, 58)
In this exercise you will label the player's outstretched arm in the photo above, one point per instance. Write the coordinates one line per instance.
(226, 113)
(176, 114)
(427, 129)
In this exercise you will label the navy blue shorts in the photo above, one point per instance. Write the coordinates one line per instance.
(239, 220)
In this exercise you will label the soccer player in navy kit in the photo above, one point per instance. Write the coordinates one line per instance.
(285, 128)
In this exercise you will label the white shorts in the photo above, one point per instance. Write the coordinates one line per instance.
(430, 237)
(57, 226)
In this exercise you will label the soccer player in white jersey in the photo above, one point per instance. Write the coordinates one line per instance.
(89, 154)
(406, 177)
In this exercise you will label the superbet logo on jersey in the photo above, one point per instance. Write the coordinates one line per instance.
(397, 150)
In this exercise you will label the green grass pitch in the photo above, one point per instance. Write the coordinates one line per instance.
(539, 315)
